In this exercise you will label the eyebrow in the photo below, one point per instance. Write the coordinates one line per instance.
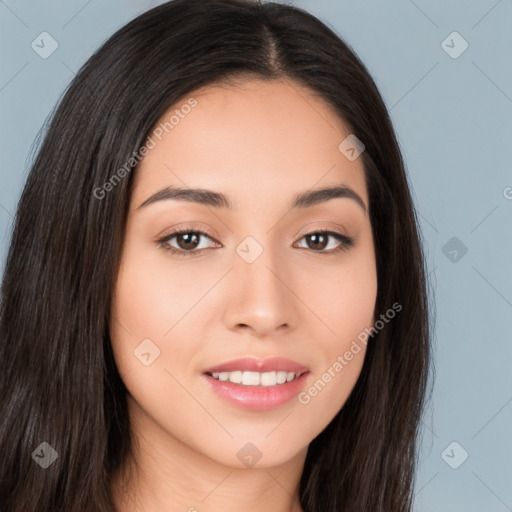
(219, 200)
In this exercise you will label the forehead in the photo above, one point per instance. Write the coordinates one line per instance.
(250, 140)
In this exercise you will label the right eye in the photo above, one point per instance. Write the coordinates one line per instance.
(190, 239)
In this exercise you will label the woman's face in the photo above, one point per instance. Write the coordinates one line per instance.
(262, 283)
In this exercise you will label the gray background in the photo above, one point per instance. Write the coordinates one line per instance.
(453, 118)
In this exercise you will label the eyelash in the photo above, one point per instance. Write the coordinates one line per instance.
(346, 242)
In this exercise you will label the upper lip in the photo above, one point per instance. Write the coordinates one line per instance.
(259, 365)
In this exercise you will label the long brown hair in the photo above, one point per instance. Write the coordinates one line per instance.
(58, 380)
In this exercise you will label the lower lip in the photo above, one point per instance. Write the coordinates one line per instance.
(257, 398)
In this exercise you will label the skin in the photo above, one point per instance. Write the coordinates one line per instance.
(260, 143)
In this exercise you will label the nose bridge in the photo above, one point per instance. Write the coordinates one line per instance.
(260, 296)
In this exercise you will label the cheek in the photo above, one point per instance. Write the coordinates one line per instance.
(149, 298)
(342, 295)
(341, 352)
(146, 312)
(152, 362)
(346, 306)
(326, 392)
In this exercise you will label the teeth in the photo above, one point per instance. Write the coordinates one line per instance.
(281, 377)
(256, 378)
(236, 377)
(268, 379)
(250, 379)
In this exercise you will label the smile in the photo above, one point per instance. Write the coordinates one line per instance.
(256, 378)
(257, 384)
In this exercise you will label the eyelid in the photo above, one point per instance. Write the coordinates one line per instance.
(186, 228)
(324, 226)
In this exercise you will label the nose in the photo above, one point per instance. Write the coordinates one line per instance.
(260, 297)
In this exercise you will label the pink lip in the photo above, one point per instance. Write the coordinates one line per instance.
(271, 364)
(257, 398)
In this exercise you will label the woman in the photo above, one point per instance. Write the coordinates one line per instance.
(215, 294)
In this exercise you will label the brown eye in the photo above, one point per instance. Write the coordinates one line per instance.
(319, 240)
(190, 240)
(187, 241)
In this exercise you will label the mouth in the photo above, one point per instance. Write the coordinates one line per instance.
(257, 384)
(247, 378)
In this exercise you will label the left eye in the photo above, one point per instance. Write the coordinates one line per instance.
(319, 238)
